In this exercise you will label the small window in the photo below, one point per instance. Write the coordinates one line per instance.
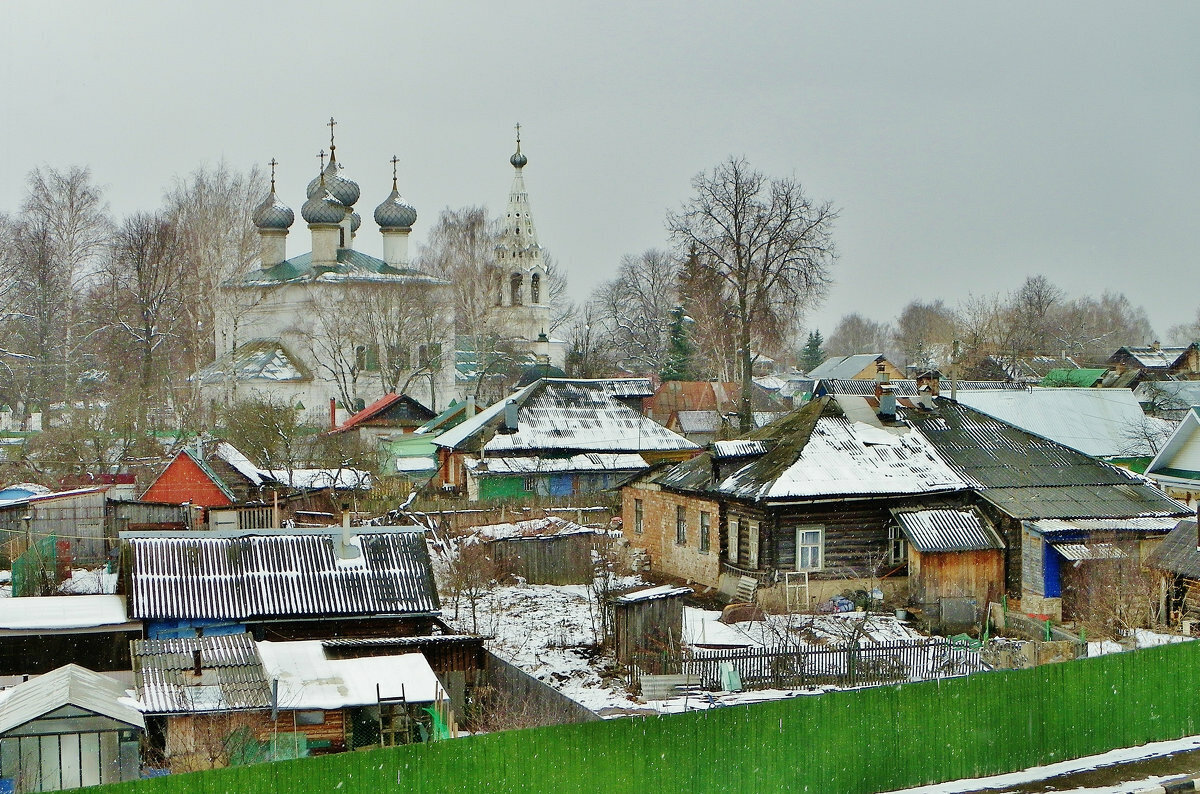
(731, 552)
(810, 548)
(530, 483)
(680, 525)
(705, 528)
(638, 526)
(897, 546)
(310, 718)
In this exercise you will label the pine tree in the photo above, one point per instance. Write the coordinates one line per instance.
(813, 353)
(679, 348)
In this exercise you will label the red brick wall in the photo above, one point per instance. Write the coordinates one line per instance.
(658, 536)
(184, 481)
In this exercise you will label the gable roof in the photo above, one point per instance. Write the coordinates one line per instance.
(1096, 422)
(69, 685)
(1179, 551)
(1180, 455)
(1151, 356)
(1175, 394)
(947, 529)
(1080, 377)
(257, 359)
(563, 415)
(390, 410)
(243, 576)
(352, 265)
(701, 395)
(845, 367)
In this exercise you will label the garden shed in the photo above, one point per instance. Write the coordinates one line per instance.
(648, 623)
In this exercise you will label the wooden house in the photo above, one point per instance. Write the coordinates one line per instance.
(555, 437)
(1177, 562)
(68, 728)
(389, 415)
(299, 585)
(1156, 362)
(210, 698)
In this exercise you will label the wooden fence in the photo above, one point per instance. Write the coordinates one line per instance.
(793, 667)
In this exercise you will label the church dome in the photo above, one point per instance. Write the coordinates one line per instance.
(518, 160)
(273, 213)
(323, 209)
(344, 190)
(395, 212)
(355, 222)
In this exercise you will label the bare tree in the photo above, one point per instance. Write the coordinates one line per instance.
(1185, 333)
(1092, 328)
(925, 332)
(712, 333)
(769, 243)
(857, 334)
(635, 309)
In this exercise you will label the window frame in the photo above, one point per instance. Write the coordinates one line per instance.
(639, 517)
(897, 541)
(680, 525)
(753, 538)
(819, 530)
(705, 530)
(731, 540)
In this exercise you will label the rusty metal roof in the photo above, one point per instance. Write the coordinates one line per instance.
(232, 675)
(950, 529)
(273, 575)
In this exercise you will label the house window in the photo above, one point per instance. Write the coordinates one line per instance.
(810, 548)
(530, 483)
(752, 539)
(897, 546)
(637, 517)
(310, 718)
(680, 525)
(366, 358)
(705, 528)
(731, 552)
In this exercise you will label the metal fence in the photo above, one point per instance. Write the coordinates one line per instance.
(849, 742)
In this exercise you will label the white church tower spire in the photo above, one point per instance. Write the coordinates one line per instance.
(518, 254)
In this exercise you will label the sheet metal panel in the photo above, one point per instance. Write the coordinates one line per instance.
(947, 530)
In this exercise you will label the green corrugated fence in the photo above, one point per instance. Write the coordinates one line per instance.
(867, 740)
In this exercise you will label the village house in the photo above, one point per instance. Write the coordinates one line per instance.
(1156, 362)
(861, 366)
(1176, 467)
(810, 501)
(554, 437)
(1176, 563)
(296, 584)
(210, 701)
(68, 728)
(391, 414)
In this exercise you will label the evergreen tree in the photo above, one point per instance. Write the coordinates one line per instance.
(679, 348)
(813, 352)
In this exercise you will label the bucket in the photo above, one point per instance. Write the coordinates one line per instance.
(901, 614)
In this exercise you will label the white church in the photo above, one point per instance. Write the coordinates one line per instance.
(334, 329)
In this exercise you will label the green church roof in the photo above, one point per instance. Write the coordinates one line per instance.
(351, 265)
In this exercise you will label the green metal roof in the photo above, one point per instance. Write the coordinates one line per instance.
(1073, 377)
(351, 265)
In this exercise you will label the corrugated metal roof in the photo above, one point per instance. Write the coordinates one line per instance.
(1084, 501)
(1179, 552)
(565, 415)
(844, 367)
(1089, 551)
(908, 388)
(947, 529)
(738, 448)
(1058, 527)
(232, 675)
(275, 576)
(68, 685)
(537, 464)
(1151, 357)
(1096, 422)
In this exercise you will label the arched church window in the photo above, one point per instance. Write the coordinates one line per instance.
(535, 288)
(499, 289)
(515, 289)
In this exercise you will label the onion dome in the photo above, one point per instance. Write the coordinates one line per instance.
(395, 212)
(355, 222)
(344, 190)
(323, 209)
(273, 213)
(518, 160)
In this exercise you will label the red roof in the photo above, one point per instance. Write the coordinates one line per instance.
(381, 406)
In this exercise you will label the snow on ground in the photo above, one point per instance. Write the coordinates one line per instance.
(1111, 758)
(85, 582)
(1142, 638)
(703, 628)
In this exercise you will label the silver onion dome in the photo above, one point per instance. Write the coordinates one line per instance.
(395, 212)
(355, 222)
(341, 188)
(518, 159)
(323, 209)
(273, 213)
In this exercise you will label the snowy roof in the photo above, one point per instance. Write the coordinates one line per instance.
(415, 463)
(843, 458)
(770, 382)
(652, 594)
(844, 367)
(68, 685)
(53, 613)
(952, 529)
(536, 527)
(1152, 356)
(230, 454)
(698, 421)
(319, 479)
(1096, 422)
(534, 464)
(351, 265)
(257, 359)
(738, 448)
(1051, 527)
(232, 675)
(310, 680)
(270, 574)
(1089, 551)
(560, 414)
(46, 497)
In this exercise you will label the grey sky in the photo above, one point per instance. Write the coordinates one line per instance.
(968, 145)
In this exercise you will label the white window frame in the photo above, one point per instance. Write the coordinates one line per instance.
(731, 540)
(801, 531)
(897, 545)
(752, 540)
(705, 529)
(639, 517)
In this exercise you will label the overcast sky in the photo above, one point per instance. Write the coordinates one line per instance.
(966, 144)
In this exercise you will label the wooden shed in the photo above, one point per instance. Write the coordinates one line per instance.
(955, 562)
(549, 550)
(647, 622)
(69, 728)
